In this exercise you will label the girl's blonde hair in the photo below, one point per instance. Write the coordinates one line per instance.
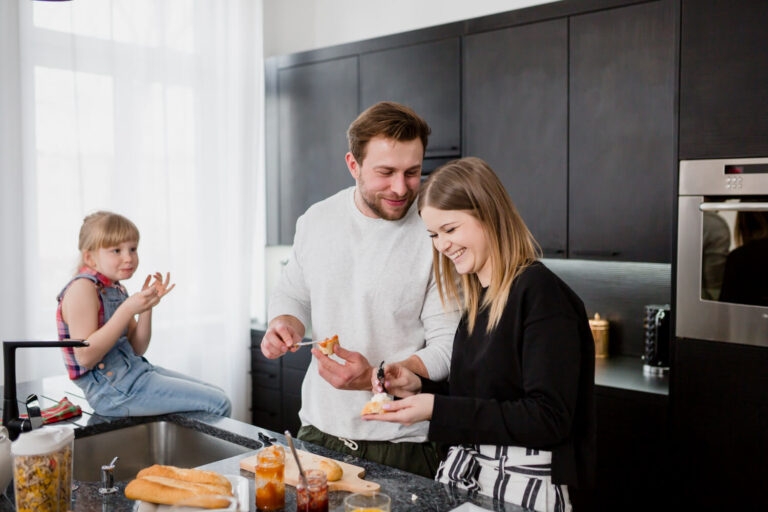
(471, 186)
(105, 229)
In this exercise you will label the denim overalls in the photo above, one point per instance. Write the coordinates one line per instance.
(125, 384)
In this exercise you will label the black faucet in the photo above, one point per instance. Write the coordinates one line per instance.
(11, 420)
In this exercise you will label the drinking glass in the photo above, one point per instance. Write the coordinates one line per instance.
(375, 502)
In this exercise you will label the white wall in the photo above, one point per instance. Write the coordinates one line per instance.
(297, 25)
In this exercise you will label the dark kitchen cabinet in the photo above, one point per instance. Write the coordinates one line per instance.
(515, 109)
(316, 103)
(276, 387)
(724, 79)
(720, 417)
(622, 158)
(425, 77)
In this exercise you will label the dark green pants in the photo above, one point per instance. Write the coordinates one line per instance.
(419, 458)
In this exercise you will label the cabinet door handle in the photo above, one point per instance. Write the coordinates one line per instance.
(598, 254)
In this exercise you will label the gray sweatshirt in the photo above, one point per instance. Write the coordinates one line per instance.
(369, 281)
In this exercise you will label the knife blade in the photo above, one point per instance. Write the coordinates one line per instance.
(305, 343)
(380, 376)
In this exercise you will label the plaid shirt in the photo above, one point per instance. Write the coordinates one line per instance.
(73, 368)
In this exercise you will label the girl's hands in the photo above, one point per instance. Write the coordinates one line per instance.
(407, 411)
(150, 294)
(398, 381)
(159, 285)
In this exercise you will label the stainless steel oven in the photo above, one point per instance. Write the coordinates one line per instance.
(722, 253)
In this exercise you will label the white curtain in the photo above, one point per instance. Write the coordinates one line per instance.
(153, 109)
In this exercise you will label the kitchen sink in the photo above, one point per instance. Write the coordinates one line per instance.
(139, 446)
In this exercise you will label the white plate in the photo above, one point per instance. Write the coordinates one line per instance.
(239, 489)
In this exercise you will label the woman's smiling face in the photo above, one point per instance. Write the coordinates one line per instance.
(460, 236)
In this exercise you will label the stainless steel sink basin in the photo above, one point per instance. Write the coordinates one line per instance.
(139, 446)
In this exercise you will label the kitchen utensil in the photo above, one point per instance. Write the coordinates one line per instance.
(600, 328)
(380, 376)
(305, 343)
(351, 478)
(657, 334)
(289, 438)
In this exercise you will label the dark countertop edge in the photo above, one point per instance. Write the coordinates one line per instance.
(626, 373)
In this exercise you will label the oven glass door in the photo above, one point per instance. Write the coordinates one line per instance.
(734, 250)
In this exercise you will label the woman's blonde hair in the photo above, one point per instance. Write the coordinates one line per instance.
(471, 186)
(105, 229)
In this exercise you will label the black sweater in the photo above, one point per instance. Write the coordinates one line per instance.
(529, 383)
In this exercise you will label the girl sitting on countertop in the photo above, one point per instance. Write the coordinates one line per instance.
(116, 379)
(518, 407)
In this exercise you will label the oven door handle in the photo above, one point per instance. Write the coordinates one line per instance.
(734, 207)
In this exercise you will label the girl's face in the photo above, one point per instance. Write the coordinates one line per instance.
(460, 236)
(118, 262)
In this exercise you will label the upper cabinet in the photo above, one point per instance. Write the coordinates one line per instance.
(574, 106)
(316, 104)
(622, 159)
(425, 77)
(724, 79)
(515, 100)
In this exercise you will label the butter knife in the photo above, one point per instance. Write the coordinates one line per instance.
(305, 343)
(380, 376)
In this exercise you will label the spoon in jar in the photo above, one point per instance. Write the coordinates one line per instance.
(296, 456)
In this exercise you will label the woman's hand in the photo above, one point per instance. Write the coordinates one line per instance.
(398, 381)
(407, 411)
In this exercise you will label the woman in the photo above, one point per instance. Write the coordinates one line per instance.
(520, 392)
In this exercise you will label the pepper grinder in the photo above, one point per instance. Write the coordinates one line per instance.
(599, 328)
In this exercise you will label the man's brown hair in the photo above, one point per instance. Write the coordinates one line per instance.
(387, 118)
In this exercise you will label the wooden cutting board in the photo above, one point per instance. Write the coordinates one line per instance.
(351, 478)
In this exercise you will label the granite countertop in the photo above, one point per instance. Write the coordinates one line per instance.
(408, 491)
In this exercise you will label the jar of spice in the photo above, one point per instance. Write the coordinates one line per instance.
(314, 496)
(42, 469)
(599, 328)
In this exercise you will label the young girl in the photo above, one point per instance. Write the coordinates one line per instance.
(518, 407)
(116, 379)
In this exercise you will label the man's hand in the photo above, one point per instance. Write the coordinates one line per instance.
(281, 335)
(354, 374)
(407, 411)
(398, 381)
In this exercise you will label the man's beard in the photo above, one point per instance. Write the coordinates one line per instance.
(381, 212)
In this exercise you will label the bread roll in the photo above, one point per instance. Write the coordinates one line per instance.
(326, 347)
(332, 470)
(186, 475)
(169, 491)
(376, 404)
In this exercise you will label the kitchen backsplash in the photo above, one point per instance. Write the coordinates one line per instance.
(618, 291)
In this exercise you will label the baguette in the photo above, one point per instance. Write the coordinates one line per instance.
(197, 476)
(169, 491)
(326, 347)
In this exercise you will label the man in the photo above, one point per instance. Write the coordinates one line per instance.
(361, 268)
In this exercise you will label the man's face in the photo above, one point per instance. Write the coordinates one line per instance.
(388, 178)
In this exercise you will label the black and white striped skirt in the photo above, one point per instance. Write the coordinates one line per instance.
(510, 473)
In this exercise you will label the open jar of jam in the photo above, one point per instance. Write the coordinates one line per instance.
(314, 496)
(269, 479)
